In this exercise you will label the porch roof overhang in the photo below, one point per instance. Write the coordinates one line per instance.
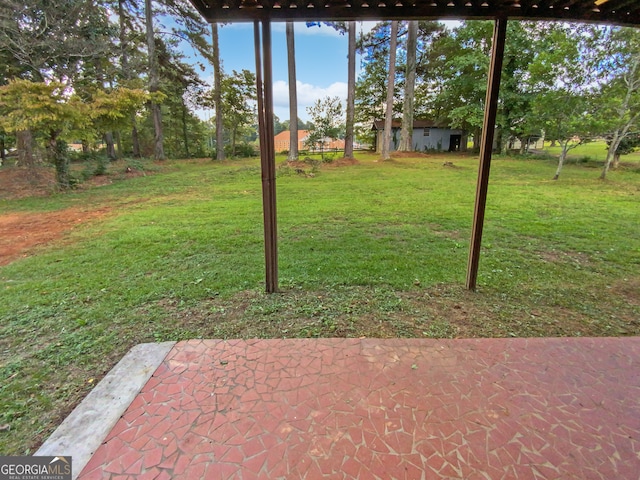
(620, 12)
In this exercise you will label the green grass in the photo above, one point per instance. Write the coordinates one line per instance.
(376, 249)
(595, 151)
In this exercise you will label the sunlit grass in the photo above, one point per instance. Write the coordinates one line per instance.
(596, 151)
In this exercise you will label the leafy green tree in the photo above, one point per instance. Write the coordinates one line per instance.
(238, 95)
(459, 75)
(278, 126)
(326, 116)
(132, 63)
(628, 144)
(371, 86)
(46, 108)
(620, 94)
(522, 46)
(302, 125)
(188, 26)
(5, 140)
(51, 110)
(53, 41)
(461, 61)
(561, 107)
(350, 29)
(413, 87)
(112, 110)
(184, 91)
(567, 118)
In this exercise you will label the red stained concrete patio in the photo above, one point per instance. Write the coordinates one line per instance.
(383, 409)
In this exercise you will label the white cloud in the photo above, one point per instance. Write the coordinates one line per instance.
(307, 95)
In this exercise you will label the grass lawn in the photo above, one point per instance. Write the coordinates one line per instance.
(595, 151)
(377, 249)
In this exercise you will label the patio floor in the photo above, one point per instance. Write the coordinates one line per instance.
(553, 408)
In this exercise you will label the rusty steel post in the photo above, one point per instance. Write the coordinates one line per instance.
(488, 132)
(267, 152)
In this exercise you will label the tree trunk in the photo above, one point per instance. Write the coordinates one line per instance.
(111, 149)
(185, 136)
(135, 139)
(126, 73)
(561, 159)
(476, 140)
(388, 119)
(351, 91)
(616, 161)
(611, 152)
(217, 91)
(406, 133)
(498, 141)
(58, 156)
(118, 144)
(154, 83)
(626, 110)
(158, 139)
(293, 95)
(24, 143)
(3, 155)
(233, 141)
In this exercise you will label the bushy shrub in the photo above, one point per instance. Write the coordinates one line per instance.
(243, 150)
(96, 162)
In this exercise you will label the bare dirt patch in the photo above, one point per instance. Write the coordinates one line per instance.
(39, 180)
(554, 256)
(306, 163)
(629, 289)
(342, 162)
(22, 182)
(410, 155)
(23, 232)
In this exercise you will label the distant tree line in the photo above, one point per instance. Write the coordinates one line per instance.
(572, 83)
(113, 73)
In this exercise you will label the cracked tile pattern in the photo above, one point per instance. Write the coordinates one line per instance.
(555, 408)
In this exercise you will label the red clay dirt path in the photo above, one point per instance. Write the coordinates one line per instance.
(23, 232)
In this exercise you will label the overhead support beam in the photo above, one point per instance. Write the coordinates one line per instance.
(264, 84)
(486, 146)
(620, 12)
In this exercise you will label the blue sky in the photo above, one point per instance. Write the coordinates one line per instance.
(321, 62)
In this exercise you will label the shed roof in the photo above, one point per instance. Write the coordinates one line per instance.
(621, 12)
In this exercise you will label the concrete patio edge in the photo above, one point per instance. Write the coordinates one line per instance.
(83, 431)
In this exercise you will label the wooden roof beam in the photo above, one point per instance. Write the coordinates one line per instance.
(621, 12)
